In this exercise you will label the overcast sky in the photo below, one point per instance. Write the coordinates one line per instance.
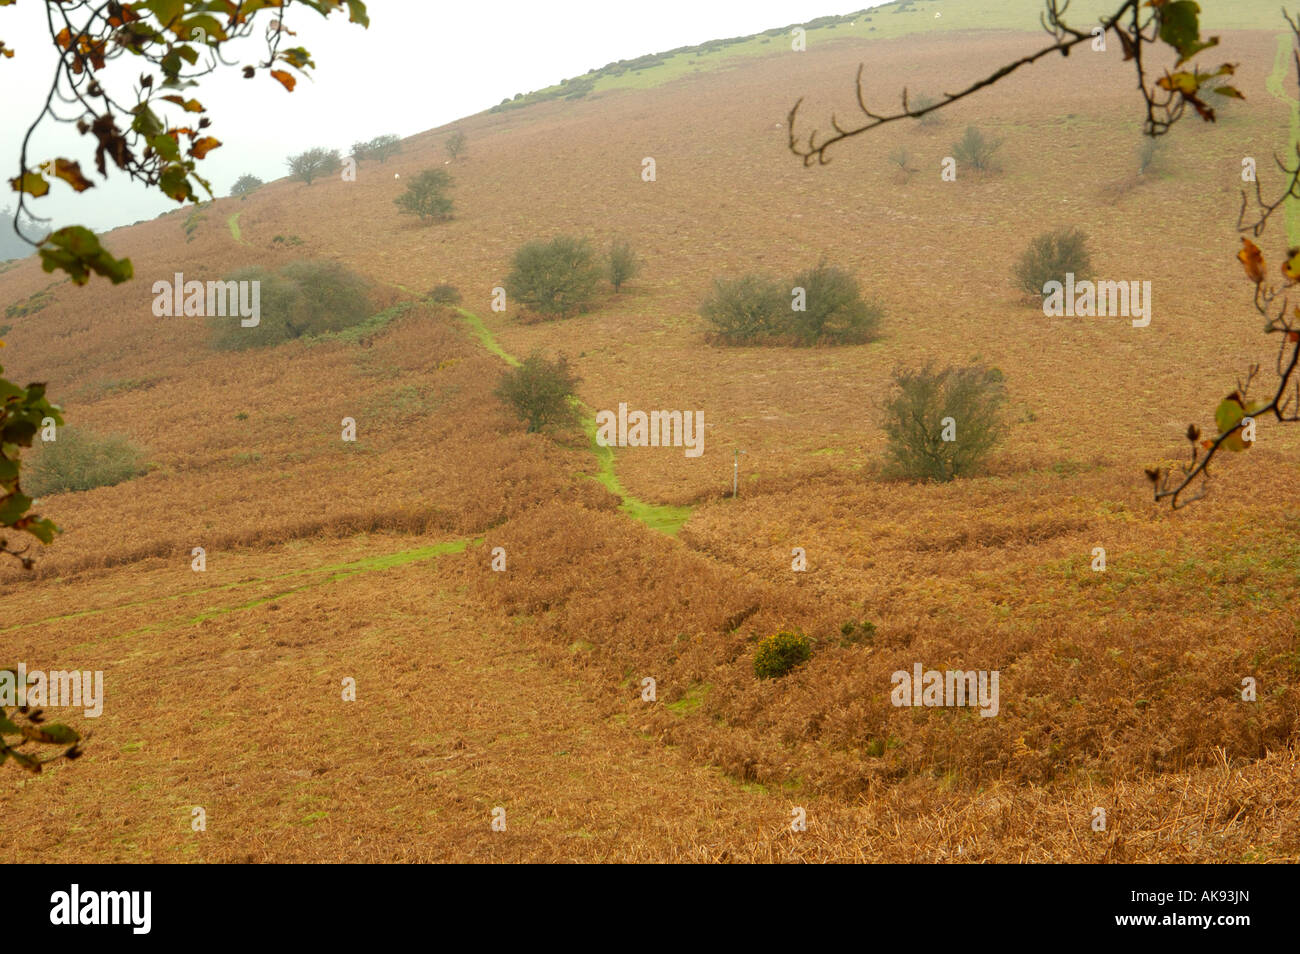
(421, 64)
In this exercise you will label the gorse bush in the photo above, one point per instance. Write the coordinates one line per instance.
(780, 653)
(80, 460)
(301, 299)
(976, 150)
(834, 312)
(426, 196)
(623, 264)
(554, 278)
(942, 424)
(746, 309)
(1049, 257)
(821, 305)
(313, 163)
(539, 391)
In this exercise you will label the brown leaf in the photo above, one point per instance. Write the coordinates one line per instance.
(286, 80)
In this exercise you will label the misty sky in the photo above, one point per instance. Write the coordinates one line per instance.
(421, 64)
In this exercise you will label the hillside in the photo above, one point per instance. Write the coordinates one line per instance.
(329, 560)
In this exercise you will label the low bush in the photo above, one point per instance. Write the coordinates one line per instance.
(780, 653)
(942, 424)
(80, 460)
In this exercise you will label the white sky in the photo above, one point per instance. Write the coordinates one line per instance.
(421, 64)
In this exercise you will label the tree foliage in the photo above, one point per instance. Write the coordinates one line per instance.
(624, 263)
(246, 185)
(303, 298)
(540, 391)
(554, 278)
(311, 164)
(455, 145)
(942, 423)
(382, 148)
(1050, 256)
(25, 726)
(23, 412)
(976, 150)
(820, 305)
(426, 196)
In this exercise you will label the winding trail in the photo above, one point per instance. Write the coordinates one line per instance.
(237, 235)
(662, 517)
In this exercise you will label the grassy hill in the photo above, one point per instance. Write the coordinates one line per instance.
(329, 560)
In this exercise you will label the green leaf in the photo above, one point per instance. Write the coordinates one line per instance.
(13, 507)
(55, 733)
(1180, 27)
(76, 250)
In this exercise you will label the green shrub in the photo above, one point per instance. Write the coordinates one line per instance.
(426, 196)
(302, 298)
(1049, 257)
(834, 312)
(245, 185)
(929, 406)
(623, 264)
(311, 164)
(382, 148)
(976, 150)
(779, 653)
(744, 310)
(555, 278)
(854, 633)
(539, 391)
(80, 460)
(445, 295)
(925, 102)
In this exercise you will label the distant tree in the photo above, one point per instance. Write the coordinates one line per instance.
(834, 312)
(455, 145)
(426, 196)
(1049, 257)
(313, 163)
(245, 184)
(941, 424)
(302, 299)
(554, 278)
(540, 392)
(976, 150)
(624, 264)
(382, 148)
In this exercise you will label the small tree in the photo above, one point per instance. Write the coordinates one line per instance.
(834, 311)
(313, 163)
(976, 150)
(383, 148)
(455, 145)
(623, 264)
(303, 298)
(942, 424)
(246, 184)
(539, 391)
(744, 310)
(426, 196)
(1049, 257)
(555, 278)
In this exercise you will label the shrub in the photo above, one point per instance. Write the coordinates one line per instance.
(902, 159)
(539, 391)
(313, 163)
(80, 460)
(928, 405)
(854, 633)
(555, 278)
(445, 295)
(834, 311)
(303, 298)
(976, 150)
(426, 196)
(245, 185)
(779, 653)
(925, 102)
(623, 263)
(744, 310)
(1050, 256)
(382, 148)
(455, 145)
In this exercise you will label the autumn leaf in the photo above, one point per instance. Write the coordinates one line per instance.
(30, 182)
(70, 172)
(286, 80)
(1253, 259)
(203, 146)
(1291, 267)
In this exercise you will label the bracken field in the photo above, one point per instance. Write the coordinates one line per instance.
(371, 560)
